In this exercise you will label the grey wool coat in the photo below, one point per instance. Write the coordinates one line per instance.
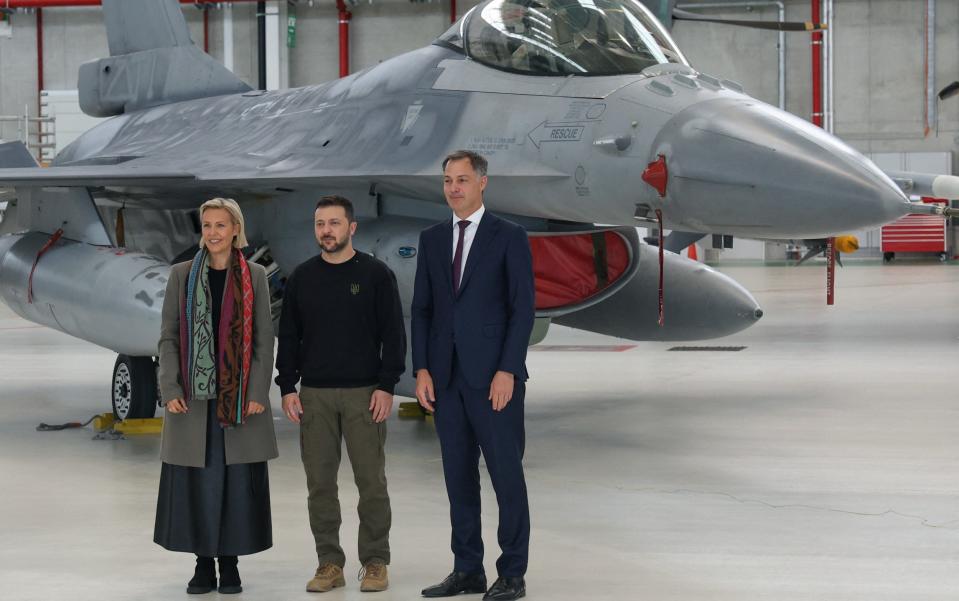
(183, 440)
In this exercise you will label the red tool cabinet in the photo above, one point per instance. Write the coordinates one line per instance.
(915, 234)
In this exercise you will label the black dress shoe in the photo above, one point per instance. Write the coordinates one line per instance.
(229, 575)
(204, 577)
(458, 583)
(506, 589)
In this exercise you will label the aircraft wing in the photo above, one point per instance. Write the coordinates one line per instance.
(253, 180)
(90, 176)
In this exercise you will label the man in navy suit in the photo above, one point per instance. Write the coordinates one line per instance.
(472, 317)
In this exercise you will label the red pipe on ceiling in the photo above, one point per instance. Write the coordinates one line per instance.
(66, 3)
(344, 19)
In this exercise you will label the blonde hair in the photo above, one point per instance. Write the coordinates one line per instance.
(239, 241)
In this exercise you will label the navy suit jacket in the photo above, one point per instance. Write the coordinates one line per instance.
(488, 323)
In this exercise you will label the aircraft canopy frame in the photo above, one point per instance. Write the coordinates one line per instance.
(560, 38)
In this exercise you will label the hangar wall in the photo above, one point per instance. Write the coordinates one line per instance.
(878, 66)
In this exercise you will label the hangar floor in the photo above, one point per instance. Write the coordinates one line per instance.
(818, 463)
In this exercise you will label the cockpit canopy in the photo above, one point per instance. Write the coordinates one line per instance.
(564, 37)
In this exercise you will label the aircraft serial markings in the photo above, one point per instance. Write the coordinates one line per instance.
(490, 144)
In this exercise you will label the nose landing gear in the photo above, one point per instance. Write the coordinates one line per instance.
(134, 394)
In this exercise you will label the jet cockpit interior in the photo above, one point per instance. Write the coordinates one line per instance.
(563, 37)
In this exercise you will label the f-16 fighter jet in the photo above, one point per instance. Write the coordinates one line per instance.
(586, 109)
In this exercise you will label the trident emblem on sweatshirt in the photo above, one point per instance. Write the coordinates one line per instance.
(354, 289)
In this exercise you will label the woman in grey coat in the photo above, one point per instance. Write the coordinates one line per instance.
(216, 363)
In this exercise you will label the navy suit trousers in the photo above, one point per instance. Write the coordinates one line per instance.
(467, 424)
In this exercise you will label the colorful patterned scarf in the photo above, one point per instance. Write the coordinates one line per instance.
(225, 379)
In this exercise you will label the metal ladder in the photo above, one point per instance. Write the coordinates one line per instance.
(38, 133)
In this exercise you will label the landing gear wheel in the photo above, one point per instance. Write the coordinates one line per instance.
(942, 257)
(134, 387)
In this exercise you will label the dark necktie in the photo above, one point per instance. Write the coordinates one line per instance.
(458, 257)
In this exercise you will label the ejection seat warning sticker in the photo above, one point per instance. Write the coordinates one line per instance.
(489, 144)
(556, 132)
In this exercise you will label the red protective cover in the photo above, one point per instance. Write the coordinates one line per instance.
(565, 268)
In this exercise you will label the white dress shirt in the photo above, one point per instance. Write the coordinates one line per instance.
(468, 236)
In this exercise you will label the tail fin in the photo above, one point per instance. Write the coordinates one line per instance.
(141, 25)
(152, 61)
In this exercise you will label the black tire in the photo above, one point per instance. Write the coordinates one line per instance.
(888, 257)
(134, 389)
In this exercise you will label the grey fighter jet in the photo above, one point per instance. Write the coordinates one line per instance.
(587, 110)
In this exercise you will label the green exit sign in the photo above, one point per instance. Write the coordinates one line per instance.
(291, 28)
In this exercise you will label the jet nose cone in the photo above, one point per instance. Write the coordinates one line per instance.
(742, 167)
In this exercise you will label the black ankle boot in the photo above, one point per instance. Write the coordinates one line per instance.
(229, 575)
(204, 577)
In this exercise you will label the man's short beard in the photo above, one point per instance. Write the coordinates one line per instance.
(340, 245)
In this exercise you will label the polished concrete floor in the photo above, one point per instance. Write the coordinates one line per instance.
(820, 462)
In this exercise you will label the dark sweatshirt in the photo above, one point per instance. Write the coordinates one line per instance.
(341, 326)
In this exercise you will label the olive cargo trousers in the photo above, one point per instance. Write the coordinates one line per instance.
(331, 415)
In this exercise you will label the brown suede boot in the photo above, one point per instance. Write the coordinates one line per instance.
(374, 578)
(328, 577)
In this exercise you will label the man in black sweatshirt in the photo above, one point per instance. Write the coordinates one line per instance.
(342, 338)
